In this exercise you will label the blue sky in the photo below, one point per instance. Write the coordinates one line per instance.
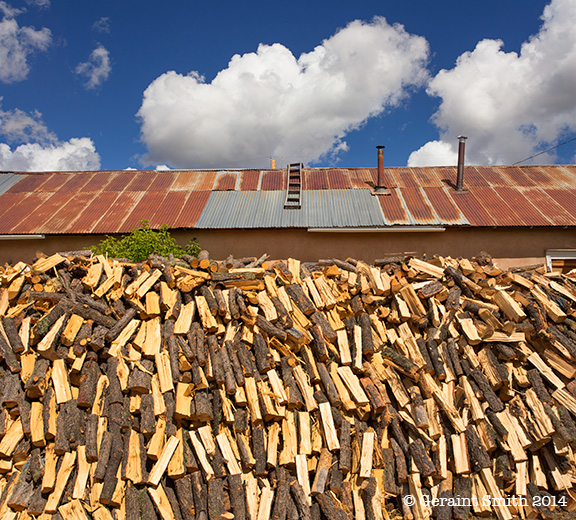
(125, 84)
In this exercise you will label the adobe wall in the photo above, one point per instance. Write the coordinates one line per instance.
(512, 247)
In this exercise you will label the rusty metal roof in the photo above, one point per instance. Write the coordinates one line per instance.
(116, 201)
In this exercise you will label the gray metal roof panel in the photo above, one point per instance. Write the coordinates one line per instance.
(263, 209)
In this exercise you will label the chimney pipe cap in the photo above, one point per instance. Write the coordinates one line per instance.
(462, 138)
(380, 147)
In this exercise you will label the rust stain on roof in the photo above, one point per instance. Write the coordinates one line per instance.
(566, 198)
(65, 217)
(444, 206)
(273, 180)
(93, 212)
(169, 209)
(192, 209)
(417, 205)
(19, 210)
(141, 181)
(226, 182)
(145, 209)
(554, 212)
(392, 208)
(29, 183)
(162, 181)
(527, 213)
(113, 218)
(249, 180)
(472, 209)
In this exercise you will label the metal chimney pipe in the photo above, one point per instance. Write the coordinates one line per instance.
(380, 181)
(461, 151)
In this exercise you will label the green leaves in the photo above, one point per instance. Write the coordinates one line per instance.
(142, 242)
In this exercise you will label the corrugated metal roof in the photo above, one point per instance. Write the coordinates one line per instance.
(116, 201)
(8, 180)
(264, 209)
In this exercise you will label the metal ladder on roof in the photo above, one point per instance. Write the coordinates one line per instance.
(293, 186)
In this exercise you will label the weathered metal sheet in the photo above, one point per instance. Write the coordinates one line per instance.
(38, 215)
(29, 183)
(273, 180)
(94, 212)
(250, 180)
(226, 181)
(502, 213)
(120, 181)
(108, 202)
(145, 210)
(141, 181)
(448, 213)
(472, 209)
(566, 198)
(19, 210)
(418, 206)
(113, 219)
(64, 218)
(393, 208)
(191, 210)
(554, 212)
(7, 180)
(55, 182)
(528, 214)
(75, 183)
(169, 210)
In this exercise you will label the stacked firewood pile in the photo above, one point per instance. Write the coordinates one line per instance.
(190, 389)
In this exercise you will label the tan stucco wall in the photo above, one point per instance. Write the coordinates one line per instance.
(511, 246)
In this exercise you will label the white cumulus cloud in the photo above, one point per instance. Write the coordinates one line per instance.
(510, 105)
(17, 43)
(97, 69)
(36, 148)
(270, 103)
(75, 154)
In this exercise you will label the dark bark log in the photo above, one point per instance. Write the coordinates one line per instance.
(88, 381)
(345, 463)
(37, 382)
(463, 497)
(269, 329)
(103, 456)
(421, 342)
(300, 500)
(115, 331)
(333, 509)
(237, 497)
(328, 332)
(215, 499)
(479, 457)
(368, 491)
(9, 356)
(12, 334)
(140, 381)
(300, 299)
(423, 462)
(262, 354)
(400, 459)
(185, 495)
(491, 398)
(451, 350)
(432, 346)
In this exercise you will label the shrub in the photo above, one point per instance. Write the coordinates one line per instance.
(142, 242)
